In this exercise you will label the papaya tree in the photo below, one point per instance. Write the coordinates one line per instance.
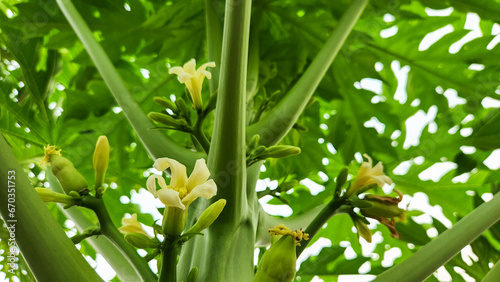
(373, 127)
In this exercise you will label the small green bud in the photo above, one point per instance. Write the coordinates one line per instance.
(259, 150)
(254, 142)
(362, 227)
(167, 103)
(193, 274)
(141, 241)
(279, 151)
(65, 172)
(181, 105)
(383, 206)
(211, 103)
(341, 179)
(168, 120)
(101, 160)
(208, 216)
(48, 196)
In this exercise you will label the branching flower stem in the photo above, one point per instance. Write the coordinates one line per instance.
(324, 215)
(109, 230)
(169, 253)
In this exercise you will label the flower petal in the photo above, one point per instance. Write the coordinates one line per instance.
(206, 74)
(132, 225)
(184, 77)
(151, 184)
(206, 190)
(176, 70)
(199, 175)
(179, 175)
(190, 66)
(170, 198)
(205, 66)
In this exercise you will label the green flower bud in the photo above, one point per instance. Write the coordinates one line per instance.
(211, 103)
(208, 216)
(141, 241)
(65, 172)
(341, 179)
(254, 142)
(168, 120)
(181, 105)
(101, 160)
(279, 151)
(193, 274)
(48, 196)
(279, 262)
(361, 225)
(166, 103)
(382, 206)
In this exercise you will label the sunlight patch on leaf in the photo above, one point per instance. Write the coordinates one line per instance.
(489, 102)
(439, 13)
(492, 161)
(433, 37)
(416, 124)
(401, 74)
(437, 171)
(388, 32)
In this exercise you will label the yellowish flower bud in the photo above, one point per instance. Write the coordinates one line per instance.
(65, 172)
(208, 216)
(101, 160)
(132, 225)
(279, 262)
(362, 227)
(48, 196)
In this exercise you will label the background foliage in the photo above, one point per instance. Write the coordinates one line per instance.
(51, 93)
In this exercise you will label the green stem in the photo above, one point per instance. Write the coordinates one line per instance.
(109, 230)
(231, 237)
(124, 270)
(440, 250)
(199, 134)
(317, 223)
(168, 268)
(47, 249)
(157, 143)
(276, 123)
(493, 274)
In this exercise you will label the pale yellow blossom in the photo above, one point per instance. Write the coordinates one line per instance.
(367, 175)
(181, 191)
(132, 225)
(193, 78)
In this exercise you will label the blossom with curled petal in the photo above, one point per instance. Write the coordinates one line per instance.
(193, 78)
(181, 191)
(132, 225)
(367, 175)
